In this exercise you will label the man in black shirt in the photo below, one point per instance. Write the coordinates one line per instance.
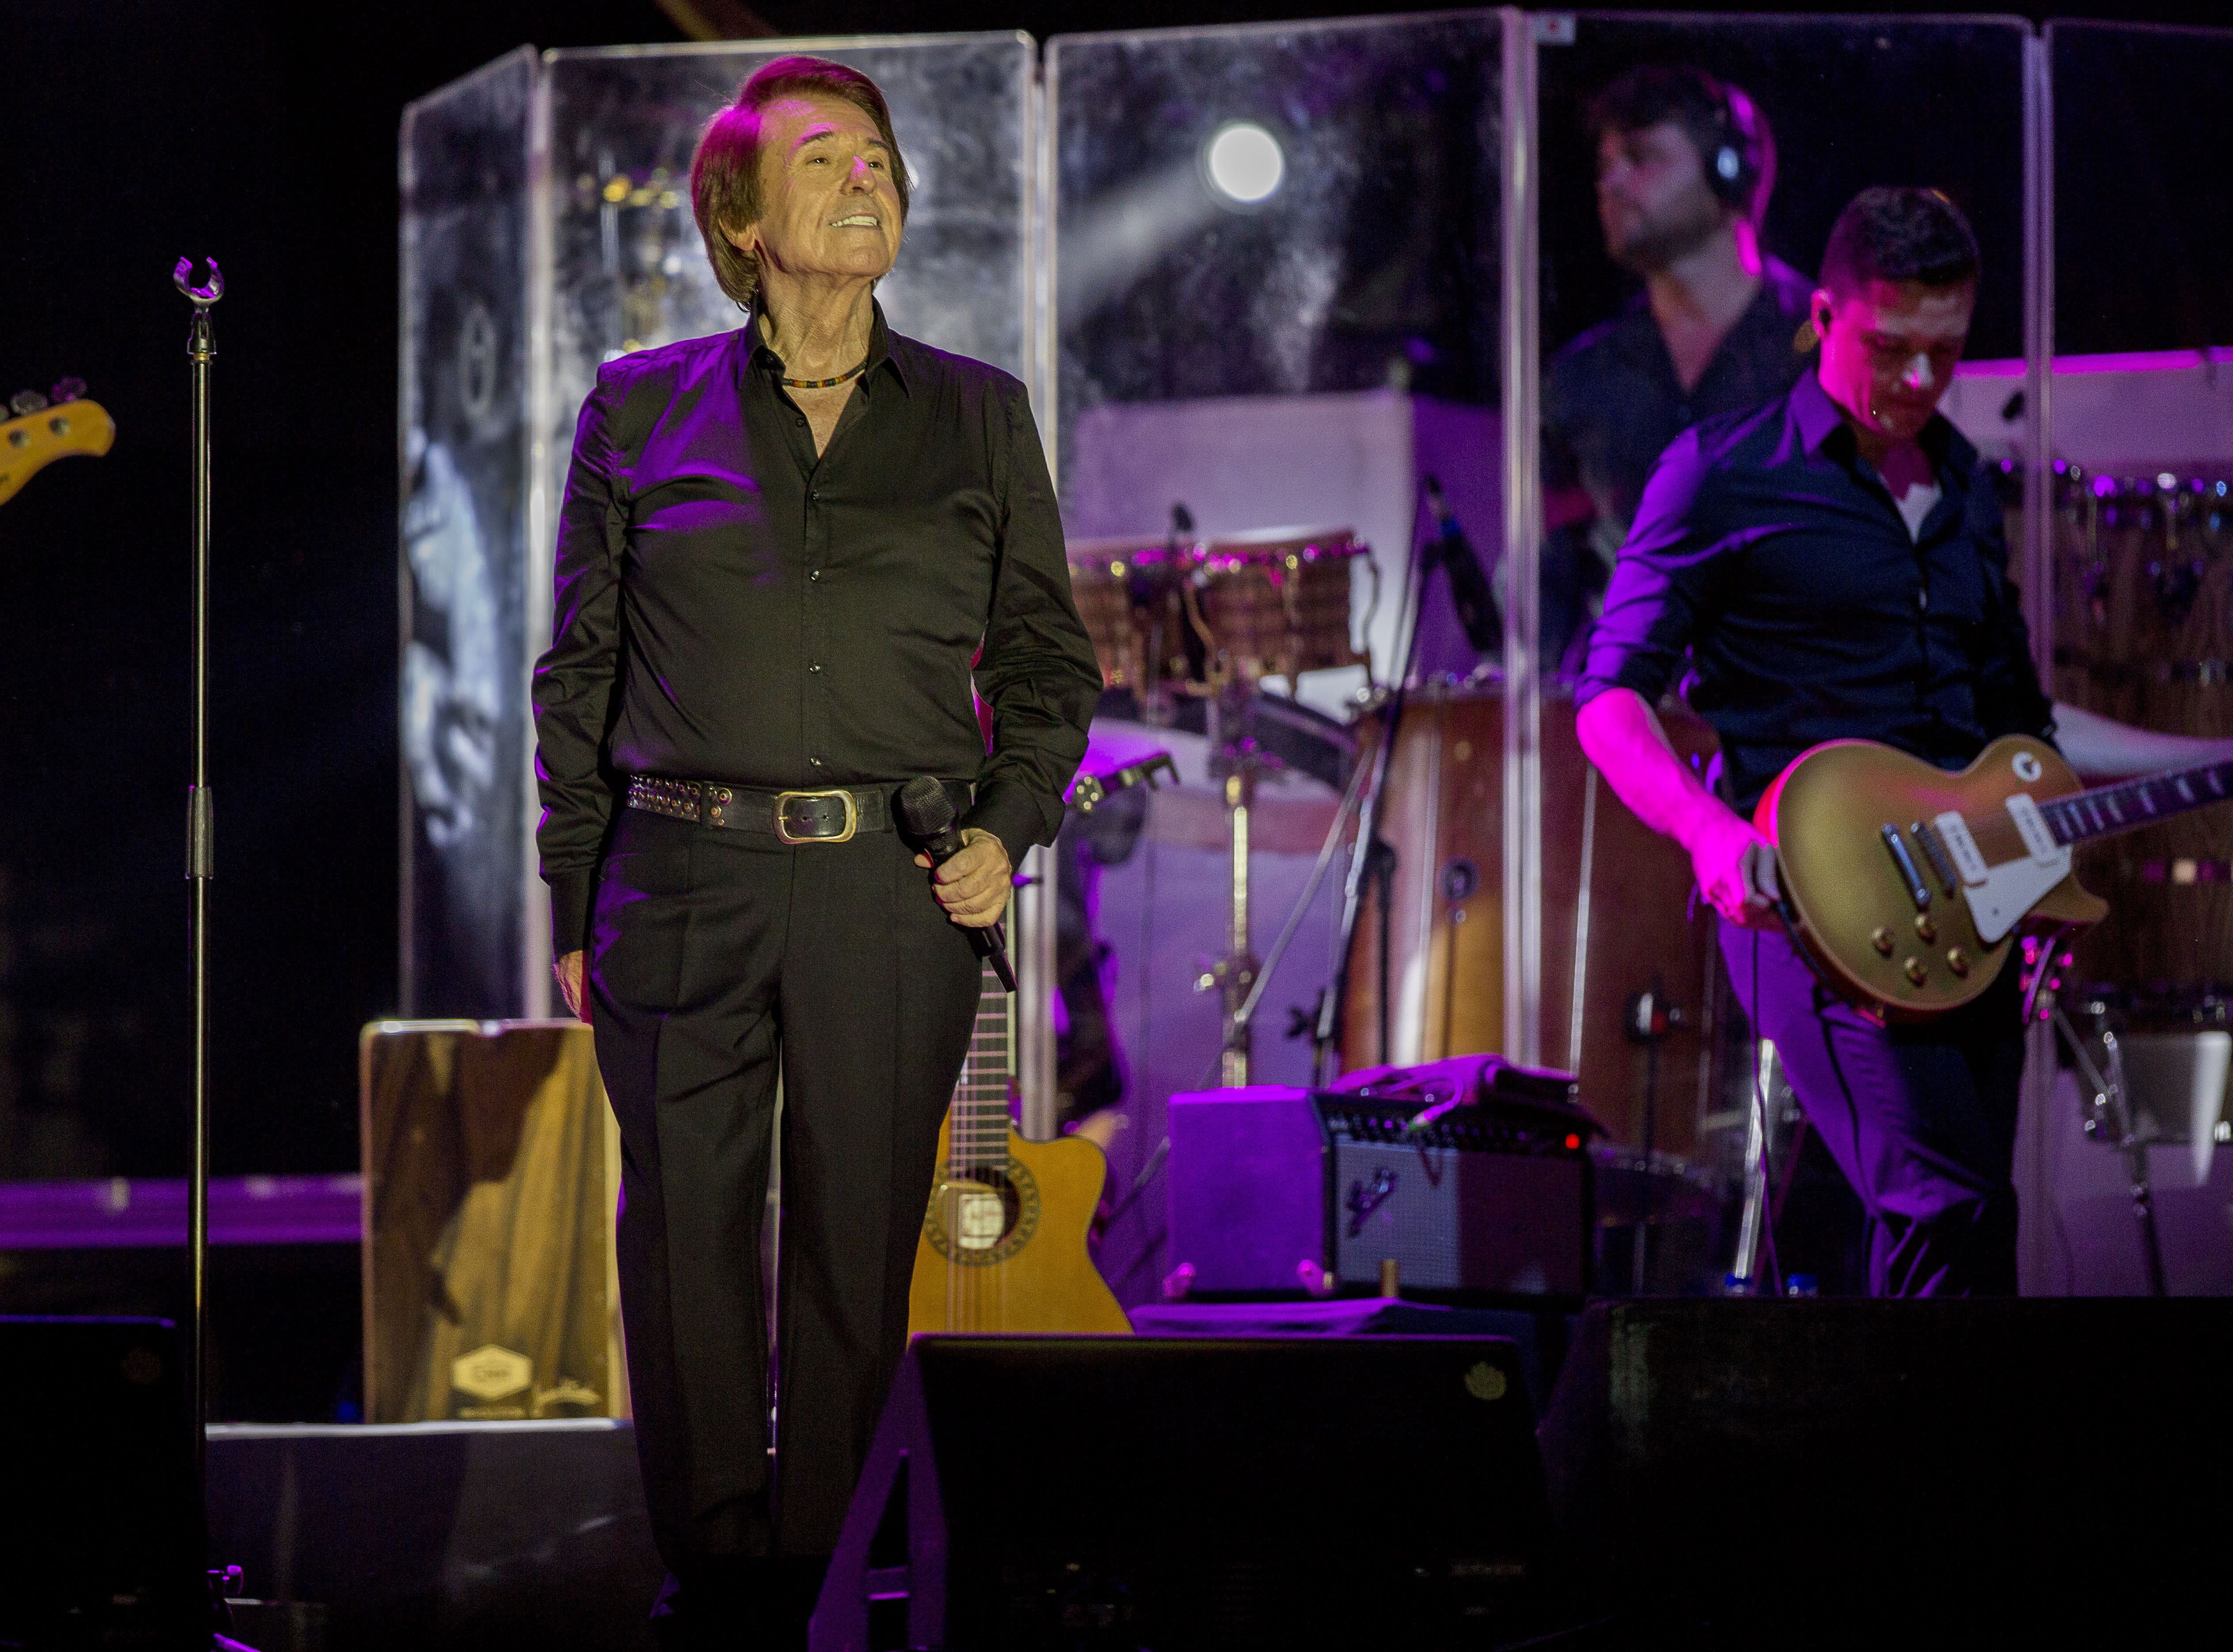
(1685, 164)
(781, 554)
(1832, 566)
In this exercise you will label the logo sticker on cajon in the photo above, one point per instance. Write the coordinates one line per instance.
(489, 1374)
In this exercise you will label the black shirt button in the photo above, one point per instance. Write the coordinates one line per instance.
(815, 762)
(813, 572)
(816, 496)
(814, 667)
(1921, 598)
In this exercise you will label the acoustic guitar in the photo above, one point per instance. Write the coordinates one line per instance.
(1906, 886)
(35, 439)
(1003, 1246)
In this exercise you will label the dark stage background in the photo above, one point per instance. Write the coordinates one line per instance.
(266, 133)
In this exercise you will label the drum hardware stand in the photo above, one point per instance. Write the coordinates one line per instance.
(2109, 1098)
(1646, 1018)
(1237, 762)
(201, 867)
(1757, 1221)
(1376, 857)
(1240, 976)
(1300, 1021)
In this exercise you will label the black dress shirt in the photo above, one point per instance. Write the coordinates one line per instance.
(1768, 561)
(729, 606)
(1612, 402)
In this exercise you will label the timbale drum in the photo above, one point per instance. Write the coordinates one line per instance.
(1235, 611)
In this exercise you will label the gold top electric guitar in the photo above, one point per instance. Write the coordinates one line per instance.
(1002, 1247)
(35, 439)
(1906, 886)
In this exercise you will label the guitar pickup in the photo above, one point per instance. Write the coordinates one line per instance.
(1953, 832)
(2037, 836)
(1935, 852)
(1911, 874)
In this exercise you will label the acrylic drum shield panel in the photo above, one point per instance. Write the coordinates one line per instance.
(547, 228)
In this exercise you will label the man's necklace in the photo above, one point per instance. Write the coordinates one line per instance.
(854, 372)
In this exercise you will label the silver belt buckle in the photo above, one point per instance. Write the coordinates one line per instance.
(784, 800)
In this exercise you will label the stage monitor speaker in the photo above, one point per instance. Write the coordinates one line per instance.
(1948, 1473)
(97, 1526)
(490, 1167)
(1186, 1494)
(1279, 1191)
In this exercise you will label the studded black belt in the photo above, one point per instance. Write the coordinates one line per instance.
(830, 815)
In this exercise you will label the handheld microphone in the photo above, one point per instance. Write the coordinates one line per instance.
(1469, 592)
(929, 814)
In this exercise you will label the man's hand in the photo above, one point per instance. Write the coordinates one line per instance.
(1734, 863)
(975, 886)
(1735, 867)
(573, 983)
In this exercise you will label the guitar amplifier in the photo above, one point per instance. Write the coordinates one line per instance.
(1471, 1175)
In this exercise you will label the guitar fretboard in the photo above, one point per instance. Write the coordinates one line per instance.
(977, 1128)
(2130, 804)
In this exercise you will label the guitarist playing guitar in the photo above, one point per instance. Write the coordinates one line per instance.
(1832, 566)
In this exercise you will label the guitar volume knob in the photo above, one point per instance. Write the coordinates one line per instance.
(1925, 931)
(1957, 961)
(1881, 938)
(1917, 971)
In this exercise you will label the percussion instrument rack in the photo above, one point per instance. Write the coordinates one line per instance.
(1209, 621)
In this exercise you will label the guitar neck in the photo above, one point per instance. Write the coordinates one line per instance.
(977, 1128)
(2129, 805)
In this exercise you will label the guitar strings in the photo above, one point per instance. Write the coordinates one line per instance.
(973, 1144)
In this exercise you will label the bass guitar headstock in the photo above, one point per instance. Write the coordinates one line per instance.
(49, 428)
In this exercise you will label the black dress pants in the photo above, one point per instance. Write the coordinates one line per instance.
(1921, 1118)
(714, 956)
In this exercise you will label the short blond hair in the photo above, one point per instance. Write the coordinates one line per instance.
(725, 173)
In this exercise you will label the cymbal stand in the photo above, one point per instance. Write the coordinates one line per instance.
(201, 867)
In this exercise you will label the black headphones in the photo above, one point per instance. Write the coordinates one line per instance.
(1741, 164)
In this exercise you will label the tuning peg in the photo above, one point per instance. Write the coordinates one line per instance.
(26, 401)
(70, 389)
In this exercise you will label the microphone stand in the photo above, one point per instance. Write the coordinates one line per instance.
(1370, 860)
(201, 350)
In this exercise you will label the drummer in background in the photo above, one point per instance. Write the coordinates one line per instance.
(1685, 163)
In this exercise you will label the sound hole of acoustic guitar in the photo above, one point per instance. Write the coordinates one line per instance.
(984, 1210)
(983, 1214)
